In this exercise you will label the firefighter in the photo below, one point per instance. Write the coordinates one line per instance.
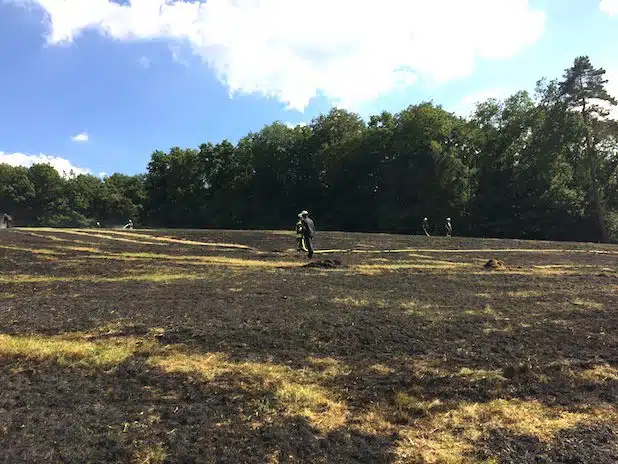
(308, 232)
(425, 225)
(6, 220)
(300, 239)
(448, 227)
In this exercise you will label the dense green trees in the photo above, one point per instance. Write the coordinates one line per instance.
(542, 167)
(39, 196)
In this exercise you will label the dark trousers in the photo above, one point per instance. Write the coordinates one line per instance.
(309, 245)
(301, 243)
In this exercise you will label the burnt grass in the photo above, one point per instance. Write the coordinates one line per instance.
(390, 349)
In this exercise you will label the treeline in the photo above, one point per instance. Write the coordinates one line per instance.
(542, 166)
(39, 196)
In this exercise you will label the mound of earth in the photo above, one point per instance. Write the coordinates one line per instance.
(324, 264)
(494, 265)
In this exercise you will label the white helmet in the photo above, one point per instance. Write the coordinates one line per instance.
(304, 213)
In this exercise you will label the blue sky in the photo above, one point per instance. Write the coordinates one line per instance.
(99, 85)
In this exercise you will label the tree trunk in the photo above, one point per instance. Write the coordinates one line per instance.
(597, 201)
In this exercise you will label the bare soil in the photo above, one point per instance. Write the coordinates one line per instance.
(174, 346)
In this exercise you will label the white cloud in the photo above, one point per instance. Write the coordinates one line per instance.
(62, 165)
(348, 50)
(144, 62)
(467, 104)
(83, 137)
(610, 7)
(292, 125)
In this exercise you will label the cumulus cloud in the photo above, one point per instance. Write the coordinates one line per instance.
(293, 50)
(610, 7)
(62, 165)
(83, 137)
(467, 104)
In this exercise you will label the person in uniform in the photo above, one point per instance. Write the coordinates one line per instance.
(308, 232)
(448, 227)
(425, 225)
(300, 239)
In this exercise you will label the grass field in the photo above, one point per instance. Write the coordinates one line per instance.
(221, 347)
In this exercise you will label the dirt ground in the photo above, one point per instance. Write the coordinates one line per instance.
(224, 347)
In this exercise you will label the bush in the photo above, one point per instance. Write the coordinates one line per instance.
(612, 226)
(71, 219)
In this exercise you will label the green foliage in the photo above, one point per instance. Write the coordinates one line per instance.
(16, 189)
(39, 195)
(542, 167)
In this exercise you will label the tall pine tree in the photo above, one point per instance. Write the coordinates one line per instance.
(583, 94)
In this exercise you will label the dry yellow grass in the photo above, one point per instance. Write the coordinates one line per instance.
(416, 251)
(360, 302)
(298, 392)
(97, 234)
(411, 266)
(525, 294)
(155, 454)
(79, 248)
(68, 350)
(480, 374)
(449, 437)
(159, 277)
(176, 240)
(588, 304)
(36, 251)
(601, 373)
(196, 260)
(53, 238)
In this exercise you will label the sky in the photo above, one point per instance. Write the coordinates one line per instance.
(97, 85)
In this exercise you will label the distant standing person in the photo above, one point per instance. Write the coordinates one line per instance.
(300, 233)
(426, 227)
(129, 225)
(308, 232)
(6, 221)
(448, 227)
